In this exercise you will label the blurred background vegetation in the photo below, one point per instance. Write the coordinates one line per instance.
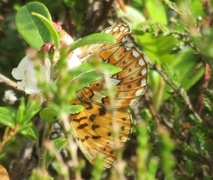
(173, 122)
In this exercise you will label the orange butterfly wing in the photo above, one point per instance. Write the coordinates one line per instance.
(131, 81)
(92, 128)
(3, 173)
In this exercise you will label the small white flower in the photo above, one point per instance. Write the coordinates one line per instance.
(26, 74)
(9, 97)
(73, 60)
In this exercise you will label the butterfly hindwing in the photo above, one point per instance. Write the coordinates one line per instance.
(93, 130)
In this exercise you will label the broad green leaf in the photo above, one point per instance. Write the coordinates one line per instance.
(195, 9)
(88, 73)
(183, 72)
(90, 67)
(156, 11)
(95, 38)
(51, 113)
(50, 27)
(185, 65)
(131, 13)
(48, 115)
(31, 28)
(159, 50)
(204, 43)
(7, 116)
(76, 109)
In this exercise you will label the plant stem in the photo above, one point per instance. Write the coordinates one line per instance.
(10, 83)
(42, 151)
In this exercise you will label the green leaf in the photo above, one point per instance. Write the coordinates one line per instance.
(20, 112)
(179, 67)
(156, 11)
(185, 65)
(76, 109)
(204, 43)
(92, 39)
(59, 144)
(48, 115)
(88, 73)
(33, 106)
(7, 116)
(131, 13)
(158, 49)
(50, 27)
(31, 28)
(195, 10)
(29, 131)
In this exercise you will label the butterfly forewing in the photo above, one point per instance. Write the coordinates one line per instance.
(132, 80)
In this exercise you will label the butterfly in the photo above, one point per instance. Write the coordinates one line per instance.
(98, 130)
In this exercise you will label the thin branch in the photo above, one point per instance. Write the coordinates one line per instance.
(177, 90)
(122, 5)
(152, 109)
(10, 83)
(206, 80)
